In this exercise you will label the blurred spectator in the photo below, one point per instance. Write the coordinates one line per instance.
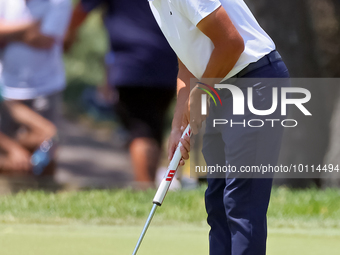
(16, 152)
(143, 72)
(99, 100)
(31, 35)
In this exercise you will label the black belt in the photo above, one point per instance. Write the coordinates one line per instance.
(266, 60)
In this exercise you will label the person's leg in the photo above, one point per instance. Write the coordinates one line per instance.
(52, 113)
(8, 125)
(213, 152)
(145, 157)
(143, 111)
(48, 107)
(8, 128)
(34, 133)
(246, 202)
(246, 197)
(29, 129)
(219, 234)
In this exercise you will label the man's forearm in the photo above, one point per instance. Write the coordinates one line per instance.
(79, 15)
(221, 63)
(183, 91)
(13, 31)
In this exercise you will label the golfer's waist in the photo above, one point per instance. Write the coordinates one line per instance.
(266, 60)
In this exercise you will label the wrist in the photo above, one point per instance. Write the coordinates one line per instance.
(202, 85)
(176, 127)
(199, 90)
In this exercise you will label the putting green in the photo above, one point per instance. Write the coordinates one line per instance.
(165, 240)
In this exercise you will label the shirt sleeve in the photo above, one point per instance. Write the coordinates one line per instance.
(56, 21)
(89, 5)
(196, 10)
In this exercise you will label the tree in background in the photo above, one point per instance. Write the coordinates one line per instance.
(307, 33)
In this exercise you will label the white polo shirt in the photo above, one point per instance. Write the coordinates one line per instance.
(29, 72)
(178, 19)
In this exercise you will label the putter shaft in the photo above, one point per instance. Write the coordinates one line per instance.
(147, 223)
(163, 187)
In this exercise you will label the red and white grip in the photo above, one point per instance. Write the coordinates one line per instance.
(172, 169)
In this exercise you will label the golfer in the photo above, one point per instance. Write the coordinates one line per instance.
(221, 40)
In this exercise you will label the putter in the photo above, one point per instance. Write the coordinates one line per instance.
(163, 187)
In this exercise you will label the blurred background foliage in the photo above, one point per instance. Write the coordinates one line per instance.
(85, 61)
(306, 33)
(305, 209)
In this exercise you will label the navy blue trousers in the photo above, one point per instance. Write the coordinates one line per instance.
(237, 207)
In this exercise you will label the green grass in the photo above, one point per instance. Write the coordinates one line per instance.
(307, 208)
(165, 240)
(106, 222)
(288, 208)
(100, 207)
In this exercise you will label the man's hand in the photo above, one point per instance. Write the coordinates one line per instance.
(26, 32)
(34, 38)
(174, 139)
(185, 148)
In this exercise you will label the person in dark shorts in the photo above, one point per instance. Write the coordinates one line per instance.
(143, 73)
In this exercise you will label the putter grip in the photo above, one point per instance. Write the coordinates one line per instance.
(172, 169)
